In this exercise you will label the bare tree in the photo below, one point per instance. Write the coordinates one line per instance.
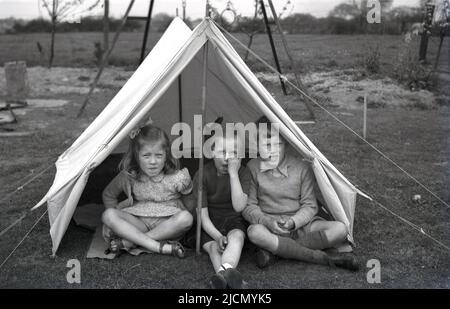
(62, 10)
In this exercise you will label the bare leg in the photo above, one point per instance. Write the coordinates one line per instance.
(173, 227)
(284, 246)
(127, 229)
(232, 252)
(111, 213)
(335, 231)
(262, 237)
(215, 256)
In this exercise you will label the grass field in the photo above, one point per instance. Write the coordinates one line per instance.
(311, 52)
(418, 139)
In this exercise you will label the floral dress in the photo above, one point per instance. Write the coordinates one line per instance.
(161, 197)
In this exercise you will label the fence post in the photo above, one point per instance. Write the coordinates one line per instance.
(365, 117)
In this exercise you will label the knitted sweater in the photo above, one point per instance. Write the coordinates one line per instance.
(289, 192)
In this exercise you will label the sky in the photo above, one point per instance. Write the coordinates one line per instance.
(28, 9)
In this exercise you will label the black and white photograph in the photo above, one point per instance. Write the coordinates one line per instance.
(224, 149)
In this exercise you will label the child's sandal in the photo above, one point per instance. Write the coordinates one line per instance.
(116, 245)
(177, 249)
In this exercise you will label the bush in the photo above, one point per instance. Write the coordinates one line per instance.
(372, 61)
(408, 70)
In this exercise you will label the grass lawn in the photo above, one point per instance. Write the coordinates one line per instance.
(419, 140)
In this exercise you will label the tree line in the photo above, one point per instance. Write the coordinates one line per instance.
(396, 21)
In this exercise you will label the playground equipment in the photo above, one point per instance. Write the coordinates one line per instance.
(260, 5)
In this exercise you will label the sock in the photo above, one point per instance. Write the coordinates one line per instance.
(290, 249)
(316, 240)
(225, 266)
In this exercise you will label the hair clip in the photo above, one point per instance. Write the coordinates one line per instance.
(135, 132)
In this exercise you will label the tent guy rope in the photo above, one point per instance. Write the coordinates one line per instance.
(23, 239)
(20, 188)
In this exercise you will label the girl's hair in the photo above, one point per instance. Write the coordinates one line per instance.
(145, 135)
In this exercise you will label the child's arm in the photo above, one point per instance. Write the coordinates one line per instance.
(208, 226)
(238, 197)
(252, 212)
(183, 182)
(308, 203)
(112, 192)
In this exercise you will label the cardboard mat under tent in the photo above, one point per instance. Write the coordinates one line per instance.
(89, 217)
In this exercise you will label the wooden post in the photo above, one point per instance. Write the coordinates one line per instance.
(291, 60)
(426, 31)
(272, 45)
(254, 32)
(105, 59)
(201, 164)
(441, 41)
(147, 27)
(106, 26)
(365, 117)
(17, 86)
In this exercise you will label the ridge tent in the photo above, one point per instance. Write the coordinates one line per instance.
(233, 92)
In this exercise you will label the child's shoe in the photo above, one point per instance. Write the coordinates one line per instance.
(264, 258)
(218, 281)
(233, 278)
(344, 261)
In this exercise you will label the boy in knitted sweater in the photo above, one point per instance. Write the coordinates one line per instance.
(282, 208)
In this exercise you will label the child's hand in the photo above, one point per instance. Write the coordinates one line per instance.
(233, 166)
(223, 242)
(288, 225)
(273, 225)
(124, 204)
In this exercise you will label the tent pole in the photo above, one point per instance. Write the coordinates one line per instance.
(201, 164)
(180, 99)
(105, 59)
(272, 45)
(291, 59)
(147, 27)
(180, 83)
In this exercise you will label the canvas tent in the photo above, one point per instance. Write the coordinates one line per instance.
(233, 92)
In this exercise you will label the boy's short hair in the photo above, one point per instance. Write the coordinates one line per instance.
(264, 120)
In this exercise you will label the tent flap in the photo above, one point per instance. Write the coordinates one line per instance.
(233, 92)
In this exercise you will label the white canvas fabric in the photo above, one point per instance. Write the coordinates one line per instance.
(233, 92)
